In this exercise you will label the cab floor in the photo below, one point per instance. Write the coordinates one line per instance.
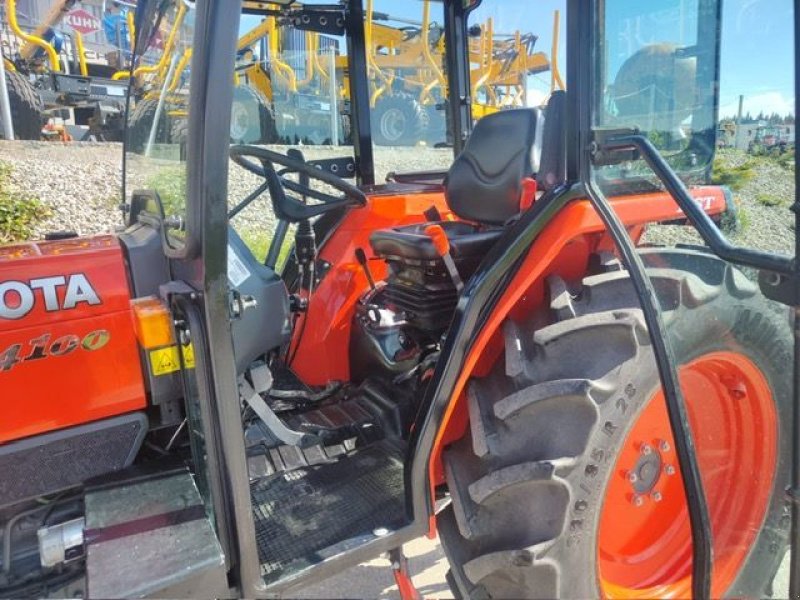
(309, 514)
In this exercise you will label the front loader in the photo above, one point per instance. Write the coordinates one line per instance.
(500, 353)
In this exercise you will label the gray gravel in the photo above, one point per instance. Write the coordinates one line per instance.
(763, 227)
(81, 181)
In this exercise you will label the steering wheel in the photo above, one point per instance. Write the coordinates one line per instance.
(291, 208)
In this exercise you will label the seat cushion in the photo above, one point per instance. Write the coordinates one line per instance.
(484, 183)
(410, 242)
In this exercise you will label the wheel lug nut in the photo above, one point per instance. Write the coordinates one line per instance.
(632, 477)
(669, 470)
(646, 449)
(656, 496)
(664, 446)
(638, 501)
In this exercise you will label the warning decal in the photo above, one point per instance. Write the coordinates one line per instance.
(167, 360)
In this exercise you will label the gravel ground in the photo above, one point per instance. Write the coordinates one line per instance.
(764, 227)
(81, 183)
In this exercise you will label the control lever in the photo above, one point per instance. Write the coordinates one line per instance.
(290, 437)
(361, 257)
(442, 245)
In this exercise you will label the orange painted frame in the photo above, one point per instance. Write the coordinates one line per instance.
(561, 248)
(323, 354)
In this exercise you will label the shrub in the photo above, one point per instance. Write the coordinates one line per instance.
(18, 213)
(733, 177)
(768, 200)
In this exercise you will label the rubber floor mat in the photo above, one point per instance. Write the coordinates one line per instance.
(301, 515)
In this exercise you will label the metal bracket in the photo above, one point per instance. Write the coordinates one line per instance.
(779, 287)
(330, 22)
(604, 153)
(344, 167)
(402, 576)
(238, 303)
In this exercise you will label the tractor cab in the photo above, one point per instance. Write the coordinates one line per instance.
(388, 273)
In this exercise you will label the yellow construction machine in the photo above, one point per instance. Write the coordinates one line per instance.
(407, 73)
(47, 73)
(294, 87)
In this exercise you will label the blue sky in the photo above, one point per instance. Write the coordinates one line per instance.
(757, 43)
(756, 56)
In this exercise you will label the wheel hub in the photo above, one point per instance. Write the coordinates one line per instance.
(393, 124)
(644, 475)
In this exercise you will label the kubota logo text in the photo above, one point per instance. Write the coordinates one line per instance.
(18, 298)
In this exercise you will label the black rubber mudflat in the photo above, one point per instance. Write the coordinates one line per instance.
(304, 516)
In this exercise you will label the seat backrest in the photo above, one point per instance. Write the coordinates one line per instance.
(553, 164)
(484, 184)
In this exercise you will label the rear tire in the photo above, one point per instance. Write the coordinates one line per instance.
(537, 509)
(252, 119)
(140, 123)
(398, 120)
(27, 108)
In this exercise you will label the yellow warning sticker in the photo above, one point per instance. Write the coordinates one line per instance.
(188, 356)
(167, 360)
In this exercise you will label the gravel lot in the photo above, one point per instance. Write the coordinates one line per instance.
(81, 183)
(763, 227)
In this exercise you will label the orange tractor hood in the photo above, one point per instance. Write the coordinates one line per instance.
(68, 354)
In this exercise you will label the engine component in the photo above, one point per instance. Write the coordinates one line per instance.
(381, 342)
(61, 543)
(423, 291)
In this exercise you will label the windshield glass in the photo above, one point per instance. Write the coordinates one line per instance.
(158, 105)
(731, 342)
(405, 45)
(515, 49)
(658, 70)
(290, 91)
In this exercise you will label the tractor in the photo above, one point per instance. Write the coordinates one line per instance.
(496, 353)
(47, 73)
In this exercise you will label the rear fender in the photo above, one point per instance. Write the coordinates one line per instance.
(562, 248)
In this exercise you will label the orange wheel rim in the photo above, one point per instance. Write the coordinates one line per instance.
(644, 544)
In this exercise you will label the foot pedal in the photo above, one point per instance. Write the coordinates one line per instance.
(290, 437)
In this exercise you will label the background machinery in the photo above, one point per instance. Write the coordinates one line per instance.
(48, 75)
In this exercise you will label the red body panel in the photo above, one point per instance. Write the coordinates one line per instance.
(72, 356)
(563, 248)
(323, 355)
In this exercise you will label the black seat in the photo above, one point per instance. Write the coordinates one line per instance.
(483, 187)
